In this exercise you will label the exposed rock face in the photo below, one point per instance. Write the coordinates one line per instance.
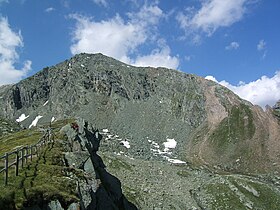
(210, 124)
(276, 110)
(100, 190)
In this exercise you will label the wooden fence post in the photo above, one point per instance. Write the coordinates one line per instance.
(17, 161)
(6, 168)
(22, 156)
(36, 150)
(26, 155)
(31, 152)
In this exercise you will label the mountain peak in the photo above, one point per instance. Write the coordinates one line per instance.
(206, 119)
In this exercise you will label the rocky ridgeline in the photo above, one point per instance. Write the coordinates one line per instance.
(211, 125)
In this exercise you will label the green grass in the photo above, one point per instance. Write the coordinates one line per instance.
(223, 197)
(41, 180)
(22, 138)
(268, 198)
(234, 129)
(26, 137)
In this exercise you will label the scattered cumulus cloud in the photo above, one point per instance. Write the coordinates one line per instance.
(187, 58)
(112, 37)
(261, 47)
(65, 3)
(10, 41)
(232, 46)
(262, 92)
(212, 15)
(103, 3)
(158, 57)
(121, 38)
(50, 9)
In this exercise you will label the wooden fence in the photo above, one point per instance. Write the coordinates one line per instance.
(19, 157)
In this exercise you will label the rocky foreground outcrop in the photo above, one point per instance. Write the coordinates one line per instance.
(99, 190)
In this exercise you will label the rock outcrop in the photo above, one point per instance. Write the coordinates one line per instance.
(100, 190)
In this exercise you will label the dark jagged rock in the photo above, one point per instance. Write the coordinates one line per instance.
(104, 195)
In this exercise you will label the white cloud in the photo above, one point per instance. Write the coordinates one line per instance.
(187, 58)
(158, 58)
(113, 37)
(212, 15)
(232, 46)
(210, 77)
(50, 9)
(262, 92)
(9, 42)
(261, 45)
(118, 38)
(103, 3)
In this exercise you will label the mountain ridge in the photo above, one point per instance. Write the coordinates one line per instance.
(207, 120)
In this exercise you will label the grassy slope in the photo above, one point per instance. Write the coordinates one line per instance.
(42, 179)
(7, 127)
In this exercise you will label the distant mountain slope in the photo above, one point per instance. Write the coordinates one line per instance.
(207, 123)
(7, 126)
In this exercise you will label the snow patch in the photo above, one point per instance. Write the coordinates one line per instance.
(126, 144)
(22, 117)
(46, 103)
(35, 121)
(176, 161)
(159, 152)
(169, 144)
(155, 144)
(105, 130)
(82, 65)
(52, 119)
(128, 66)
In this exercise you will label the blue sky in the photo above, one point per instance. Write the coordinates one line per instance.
(233, 42)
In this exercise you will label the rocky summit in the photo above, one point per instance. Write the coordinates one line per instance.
(175, 140)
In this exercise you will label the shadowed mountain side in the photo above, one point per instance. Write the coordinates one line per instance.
(109, 194)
